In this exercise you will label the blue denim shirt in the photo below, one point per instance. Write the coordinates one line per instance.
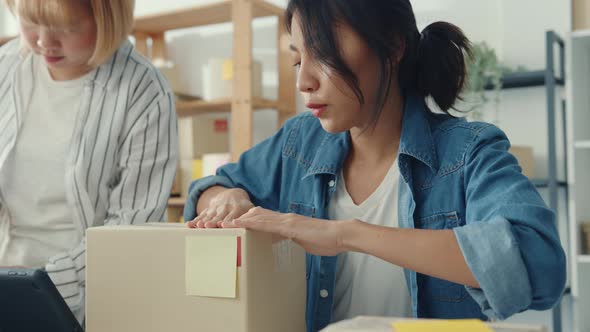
(455, 175)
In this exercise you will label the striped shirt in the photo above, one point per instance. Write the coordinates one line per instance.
(122, 158)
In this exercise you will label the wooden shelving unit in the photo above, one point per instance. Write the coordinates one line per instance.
(240, 13)
(192, 108)
(215, 13)
(176, 202)
(149, 32)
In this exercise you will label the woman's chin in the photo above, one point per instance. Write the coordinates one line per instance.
(330, 127)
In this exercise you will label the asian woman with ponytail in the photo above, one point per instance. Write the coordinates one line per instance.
(403, 211)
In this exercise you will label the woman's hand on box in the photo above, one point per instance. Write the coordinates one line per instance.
(225, 206)
(316, 236)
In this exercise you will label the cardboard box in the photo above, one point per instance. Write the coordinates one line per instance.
(526, 159)
(199, 135)
(203, 134)
(581, 14)
(172, 74)
(148, 279)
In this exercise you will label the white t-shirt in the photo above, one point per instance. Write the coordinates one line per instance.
(366, 285)
(32, 180)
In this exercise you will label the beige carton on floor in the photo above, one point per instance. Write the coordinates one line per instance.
(164, 277)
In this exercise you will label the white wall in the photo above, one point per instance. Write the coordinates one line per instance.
(7, 22)
(480, 20)
(524, 24)
(514, 28)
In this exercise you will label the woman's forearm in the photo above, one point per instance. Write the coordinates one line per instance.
(432, 252)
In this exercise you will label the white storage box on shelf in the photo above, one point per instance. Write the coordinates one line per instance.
(218, 77)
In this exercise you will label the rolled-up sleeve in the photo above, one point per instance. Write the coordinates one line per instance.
(510, 240)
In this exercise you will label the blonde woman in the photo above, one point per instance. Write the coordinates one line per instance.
(87, 135)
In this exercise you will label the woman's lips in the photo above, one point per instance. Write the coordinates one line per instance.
(53, 59)
(317, 109)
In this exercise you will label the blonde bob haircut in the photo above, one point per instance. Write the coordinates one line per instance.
(113, 18)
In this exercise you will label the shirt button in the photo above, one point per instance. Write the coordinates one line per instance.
(331, 183)
(324, 293)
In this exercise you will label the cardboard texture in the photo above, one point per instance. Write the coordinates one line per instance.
(526, 159)
(172, 74)
(199, 135)
(136, 281)
(203, 134)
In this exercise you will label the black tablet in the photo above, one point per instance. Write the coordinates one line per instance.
(29, 302)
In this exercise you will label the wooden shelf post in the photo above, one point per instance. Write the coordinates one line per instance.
(241, 111)
(149, 33)
(286, 75)
(141, 43)
(158, 47)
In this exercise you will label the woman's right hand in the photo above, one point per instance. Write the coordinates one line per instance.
(227, 205)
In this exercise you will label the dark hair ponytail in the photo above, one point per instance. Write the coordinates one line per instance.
(440, 66)
(432, 63)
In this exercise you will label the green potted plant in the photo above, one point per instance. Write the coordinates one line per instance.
(483, 68)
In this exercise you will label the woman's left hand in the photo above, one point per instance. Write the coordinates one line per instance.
(317, 236)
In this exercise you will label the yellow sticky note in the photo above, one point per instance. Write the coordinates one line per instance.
(197, 169)
(228, 69)
(211, 266)
(458, 325)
